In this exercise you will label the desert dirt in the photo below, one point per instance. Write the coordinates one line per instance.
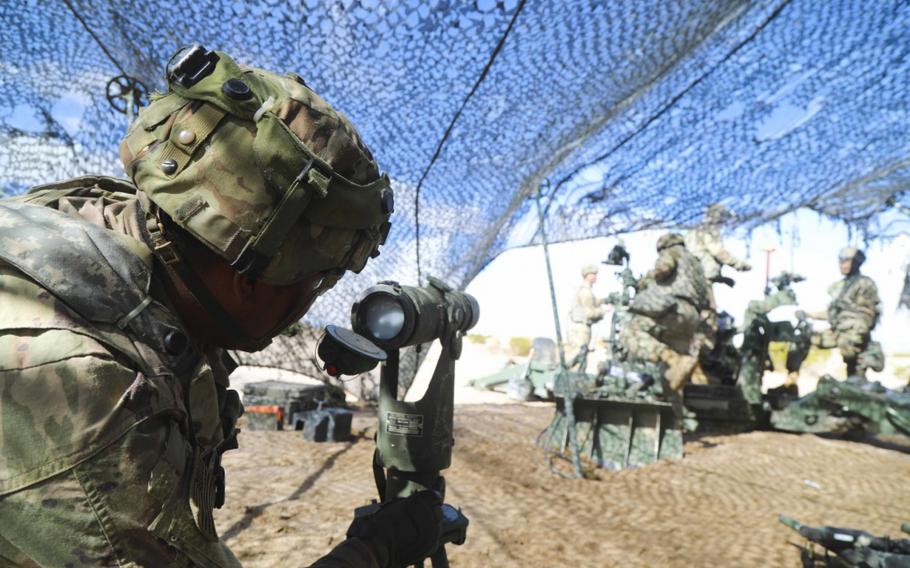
(289, 501)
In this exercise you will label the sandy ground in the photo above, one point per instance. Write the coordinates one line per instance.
(289, 501)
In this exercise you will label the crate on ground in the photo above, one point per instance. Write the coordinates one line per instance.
(324, 425)
(264, 417)
(290, 397)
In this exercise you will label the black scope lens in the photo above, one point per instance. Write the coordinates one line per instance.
(394, 316)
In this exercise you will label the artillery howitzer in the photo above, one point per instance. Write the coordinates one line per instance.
(733, 399)
(849, 547)
(759, 331)
(532, 380)
(623, 416)
(414, 439)
(619, 256)
(849, 407)
(627, 416)
(536, 379)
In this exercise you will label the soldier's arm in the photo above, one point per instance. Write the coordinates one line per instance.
(400, 532)
(354, 553)
(866, 299)
(716, 247)
(664, 267)
(592, 307)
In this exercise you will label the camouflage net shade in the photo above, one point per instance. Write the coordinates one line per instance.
(629, 115)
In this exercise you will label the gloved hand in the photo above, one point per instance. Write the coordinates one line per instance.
(408, 529)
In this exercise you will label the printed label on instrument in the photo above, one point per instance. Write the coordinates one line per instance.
(404, 424)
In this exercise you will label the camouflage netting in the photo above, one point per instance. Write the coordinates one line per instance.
(628, 114)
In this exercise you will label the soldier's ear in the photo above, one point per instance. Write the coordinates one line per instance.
(243, 286)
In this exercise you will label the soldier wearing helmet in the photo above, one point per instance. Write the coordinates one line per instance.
(667, 312)
(250, 197)
(586, 311)
(852, 314)
(707, 244)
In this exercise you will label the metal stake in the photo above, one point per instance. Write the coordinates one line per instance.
(569, 392)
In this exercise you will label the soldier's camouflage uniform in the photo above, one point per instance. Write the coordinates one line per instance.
(904, 300)
(706, 243)
(113, 419)
(853, 312)
(668, 311)
(586, 311)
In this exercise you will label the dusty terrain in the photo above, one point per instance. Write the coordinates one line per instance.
(289, 501)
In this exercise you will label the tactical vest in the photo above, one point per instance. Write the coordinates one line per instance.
(106, 286)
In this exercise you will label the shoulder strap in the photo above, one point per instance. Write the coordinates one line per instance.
(850, 281)
(84, 186)
(89, 270)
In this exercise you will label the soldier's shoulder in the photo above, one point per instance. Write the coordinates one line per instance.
(28, 311)
(78, 186)
(866, 282)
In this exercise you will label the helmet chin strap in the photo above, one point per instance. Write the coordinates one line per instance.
(167, 252)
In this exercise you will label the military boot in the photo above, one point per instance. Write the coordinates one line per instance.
(679, 368)
(792, 379)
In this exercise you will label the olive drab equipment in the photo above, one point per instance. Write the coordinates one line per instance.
(849, 547)
(415, 438)
(259, 168)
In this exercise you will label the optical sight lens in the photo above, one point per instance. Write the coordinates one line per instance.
(384, 317)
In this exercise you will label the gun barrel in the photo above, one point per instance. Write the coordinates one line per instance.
(789, 521)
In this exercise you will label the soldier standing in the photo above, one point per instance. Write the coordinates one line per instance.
(250, 197)
(707, 244)
(668, 311)
(586, 311)
(852, 314)
(904, 300)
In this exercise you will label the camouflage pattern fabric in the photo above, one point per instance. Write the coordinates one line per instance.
(586, 311)
(111, 448)
(852, 314)
(646, 337)
(669, 311)
(284, 180)
(679, 274)
(707, 244)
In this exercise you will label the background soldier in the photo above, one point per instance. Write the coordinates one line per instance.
(707, 244)
(904, 301)
(586, 311)
(668, 312)
(252, 197)
(852, 314)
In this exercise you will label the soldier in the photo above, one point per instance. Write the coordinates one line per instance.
(904, 300)
(707, 244)
(250, 197)
(852, 314)
(668, 311)
(586, 311)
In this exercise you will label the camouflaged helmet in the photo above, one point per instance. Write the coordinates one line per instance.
(259, 168)
(669, 240)
(589, 269)
(852, 253)
(717, 213)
